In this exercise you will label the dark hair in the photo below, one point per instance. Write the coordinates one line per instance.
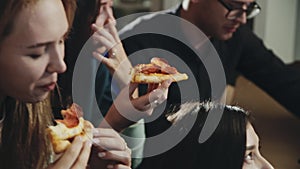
(225, 148)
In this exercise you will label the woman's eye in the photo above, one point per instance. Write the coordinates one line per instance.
(61, 41)
(35, 56)
(249, 157)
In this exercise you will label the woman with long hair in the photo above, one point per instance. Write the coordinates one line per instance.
(32, 34)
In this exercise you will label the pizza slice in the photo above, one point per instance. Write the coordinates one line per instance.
(156, 72)
(72, 125)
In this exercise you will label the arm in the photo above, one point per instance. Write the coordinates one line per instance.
(127, 110)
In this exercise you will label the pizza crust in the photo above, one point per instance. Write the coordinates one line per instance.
(157, 78)
(156, 72)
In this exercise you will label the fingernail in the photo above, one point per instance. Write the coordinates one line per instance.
(78, 138)
(110, 166)
(96, 141)
(95, 53)
(169, 82)
(88, 143)
(95, 131)
(101, 154)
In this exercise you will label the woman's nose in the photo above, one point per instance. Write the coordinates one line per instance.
(266, 164)
(56, 63)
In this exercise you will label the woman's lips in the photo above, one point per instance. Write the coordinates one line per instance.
(49, 86)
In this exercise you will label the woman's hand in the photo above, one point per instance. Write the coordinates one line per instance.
(126, 110)
(75, 157)
(110, 150)
(109, 43)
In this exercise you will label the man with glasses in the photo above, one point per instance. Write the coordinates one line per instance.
(239, 49)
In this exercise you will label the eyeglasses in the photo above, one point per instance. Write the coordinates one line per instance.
(234, 12)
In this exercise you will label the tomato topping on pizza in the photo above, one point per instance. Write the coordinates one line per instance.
(71, 126)
(157, 71)
(71, 116)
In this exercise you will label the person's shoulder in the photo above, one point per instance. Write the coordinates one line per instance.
(147, 20)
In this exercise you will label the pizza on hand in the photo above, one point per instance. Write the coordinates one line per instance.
(157, 71)
(72, 125)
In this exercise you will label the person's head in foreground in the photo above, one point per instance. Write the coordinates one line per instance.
(233, 145)
(32, 36)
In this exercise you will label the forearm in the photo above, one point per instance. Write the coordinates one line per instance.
(115, 120)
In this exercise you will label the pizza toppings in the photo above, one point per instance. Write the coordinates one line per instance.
(157, 65)
(156, 72)
(71, 126)
(71, 116)
(165, 68)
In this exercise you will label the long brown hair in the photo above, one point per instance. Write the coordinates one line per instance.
(23, 143)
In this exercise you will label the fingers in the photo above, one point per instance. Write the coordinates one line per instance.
(123, 157)
(103, 32)
(151, 87)
(105, 13)
(132, 88)
(75, 156)
(109, 31)
(108, 139)
(101, 58)
(118, 166)
(157, 94)
(109, 13)
(106, 143)
(113, 30)
(103, 37)
(166, 84)
(69, 157)
(105, 132)
(83, 158)
(111, 146)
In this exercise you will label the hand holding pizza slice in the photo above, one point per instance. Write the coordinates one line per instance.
(67, 129)
(156, 72)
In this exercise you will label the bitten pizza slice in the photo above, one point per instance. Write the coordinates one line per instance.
(62, 134)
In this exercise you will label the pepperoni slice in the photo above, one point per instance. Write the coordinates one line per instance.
(164, 65)
(150, 68)
(168, 70)
(71, 116)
